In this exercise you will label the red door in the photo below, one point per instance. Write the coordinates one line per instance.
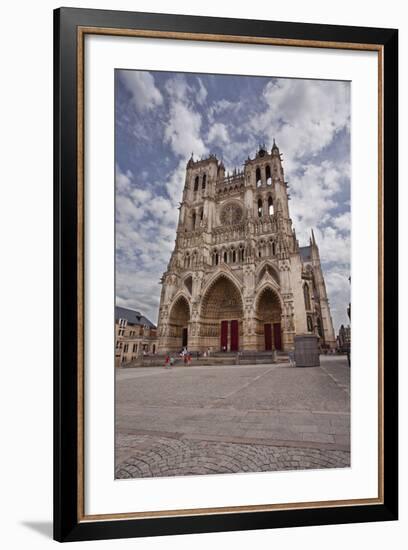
(224, 335)
(277, 336)
(268, 336)
(234, 336)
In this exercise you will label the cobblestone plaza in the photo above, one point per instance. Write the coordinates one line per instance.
(223, 419)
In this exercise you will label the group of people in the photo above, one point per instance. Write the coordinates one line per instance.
(184, 354)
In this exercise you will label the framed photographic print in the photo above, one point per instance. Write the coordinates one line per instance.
(225, 274)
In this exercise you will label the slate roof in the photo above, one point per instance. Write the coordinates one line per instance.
(133, 317)
(305, 252)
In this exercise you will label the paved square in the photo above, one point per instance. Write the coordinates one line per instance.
(220, 419)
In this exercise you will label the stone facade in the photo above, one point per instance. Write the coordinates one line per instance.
(237, 279)
(135, 335)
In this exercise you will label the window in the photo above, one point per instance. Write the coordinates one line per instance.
(258, 177)
(259, 208)
(273, 249)
(216, 258)
(194, 217)
(189, 284)
(234, 257)
(270, 206)
(204, 182)
(306, 296)
(309, 324)
(196, 184)
(268, 175)
(225, 257)
(134, 348)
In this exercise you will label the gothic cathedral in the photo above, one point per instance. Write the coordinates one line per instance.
(237, 278)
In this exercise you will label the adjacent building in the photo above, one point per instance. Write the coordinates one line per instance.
(135, 335)
(237, 278)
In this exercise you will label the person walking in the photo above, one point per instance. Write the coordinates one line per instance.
(167, 362)
(171, 361)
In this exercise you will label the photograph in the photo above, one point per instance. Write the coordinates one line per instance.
(207, 241)
(232, 306)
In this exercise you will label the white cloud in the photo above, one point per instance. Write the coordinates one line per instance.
(145, 94)
(123, 181)
(177, 87)
(221, 106)
(141, 195)
(304, 115)
(333, 246)
(175, 184)
(179, 90)
(182, 131)
(313, 191)
(202, 92)
(145, 232)
(343, 222)
(218, 134)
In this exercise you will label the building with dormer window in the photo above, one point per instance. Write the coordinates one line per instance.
(135, 336)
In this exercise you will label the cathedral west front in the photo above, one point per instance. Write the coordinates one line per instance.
(237, 279)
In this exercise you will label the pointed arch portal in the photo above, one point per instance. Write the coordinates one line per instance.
(268, 312)
(221, 316)
(178, 324)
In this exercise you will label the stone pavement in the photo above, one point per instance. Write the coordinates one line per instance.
(219, 419)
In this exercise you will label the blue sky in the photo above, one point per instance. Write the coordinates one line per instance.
(162, 117)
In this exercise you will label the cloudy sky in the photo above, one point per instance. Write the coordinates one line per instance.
(162, 117)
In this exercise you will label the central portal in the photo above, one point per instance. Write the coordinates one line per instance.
(221, 316)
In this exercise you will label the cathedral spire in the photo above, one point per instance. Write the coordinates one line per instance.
(313, 240)
(191, 160)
